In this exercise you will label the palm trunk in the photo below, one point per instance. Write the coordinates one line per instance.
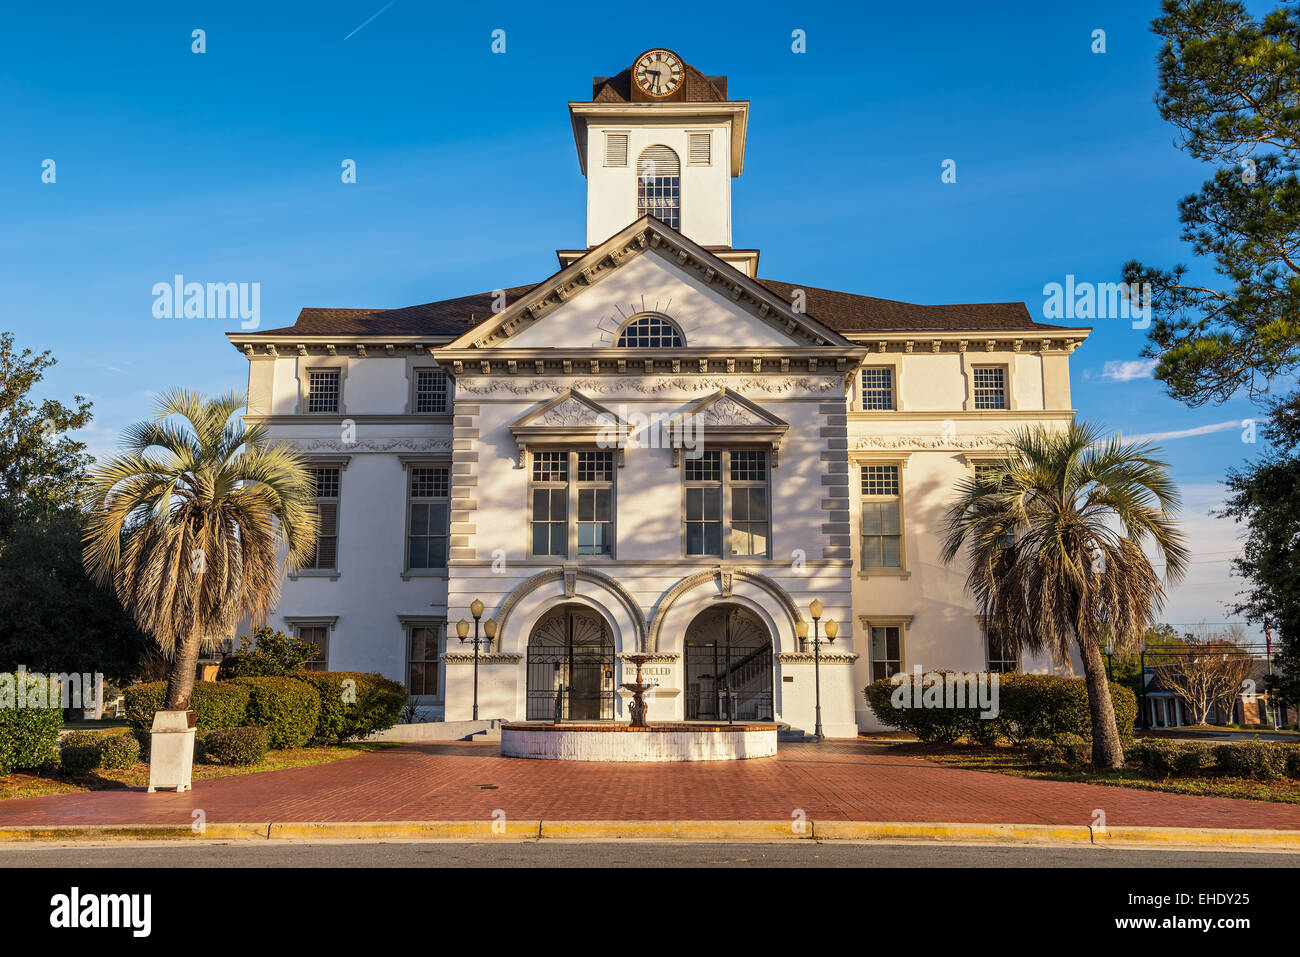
(1106, 750)
(180, 683)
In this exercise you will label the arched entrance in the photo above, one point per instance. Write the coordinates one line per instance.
(570, 667)
(728, 666)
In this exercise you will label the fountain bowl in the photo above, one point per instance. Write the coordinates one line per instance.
(662, 741)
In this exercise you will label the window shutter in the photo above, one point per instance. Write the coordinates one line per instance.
(658, 161)
(700, 149)
(615, 149)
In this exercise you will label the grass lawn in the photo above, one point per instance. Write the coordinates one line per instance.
(20, 784)
(1007, 760)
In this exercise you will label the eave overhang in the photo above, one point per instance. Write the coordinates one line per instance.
(733, 112)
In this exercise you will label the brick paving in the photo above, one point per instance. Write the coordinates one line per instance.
(835, 780)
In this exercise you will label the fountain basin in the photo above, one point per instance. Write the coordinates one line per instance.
(668, 741)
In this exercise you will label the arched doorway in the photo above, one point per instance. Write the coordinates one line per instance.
(728, 666)
(570, 667)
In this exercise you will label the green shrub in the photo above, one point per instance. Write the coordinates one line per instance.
(83, 738)
(1153, 756)
(1192, 760)
(216, 704)
(353, 705)
(936, 723)
(119, 750)
(29, 736)
(1293, 761)
(272, 654)
(1067, 750)
(238, 746)
(1048, 706)
(287, 708)
(1251, 759)
(78, 759)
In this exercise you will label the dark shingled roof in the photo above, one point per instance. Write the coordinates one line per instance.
(842, 311)
(697, 88)
(849, 312)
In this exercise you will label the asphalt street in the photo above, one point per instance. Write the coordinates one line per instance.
(621, 854)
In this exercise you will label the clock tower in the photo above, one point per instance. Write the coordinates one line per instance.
(662, 139)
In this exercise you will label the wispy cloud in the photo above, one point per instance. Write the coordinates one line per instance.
(1121, 370)
(1184, 433)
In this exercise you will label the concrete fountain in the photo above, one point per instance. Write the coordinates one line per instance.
(638, 740)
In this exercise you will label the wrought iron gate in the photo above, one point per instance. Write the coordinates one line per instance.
(570, 668)
(728, 667)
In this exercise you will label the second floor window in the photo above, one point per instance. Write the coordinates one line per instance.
(323, 391)
(566, 485)
(659, 185)
(727, 502)
(326, 488)
(990, 387)
(427, 529)
(877, 389)
(882, 522)
(430, 391)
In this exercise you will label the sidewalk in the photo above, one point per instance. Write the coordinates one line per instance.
(836, 781)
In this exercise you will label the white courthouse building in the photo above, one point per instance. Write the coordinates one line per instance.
(656, 449)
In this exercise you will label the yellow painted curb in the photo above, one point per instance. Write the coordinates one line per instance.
(1244, 838)
(676, 830)
(406, 830)
(133, 832)
(909, 831)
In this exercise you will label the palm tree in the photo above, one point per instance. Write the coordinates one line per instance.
(1056, 533)
(186, 525)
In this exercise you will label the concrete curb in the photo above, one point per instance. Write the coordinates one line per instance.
(721, 831)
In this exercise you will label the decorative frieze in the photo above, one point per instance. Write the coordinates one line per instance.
(615, 385)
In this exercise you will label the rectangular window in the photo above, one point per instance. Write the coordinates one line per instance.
(704, 504)
(998, 659)
(595, 503)
(699, 148)
(886, 651)
(429, 510)
(882, 531)
(323, 391)
(878, 389)
(748, 477)
(550, 503)
(326, 494)
(318, 635)
(430, 391)
(615, 149)
(990, 387)
(727, 501)
(422, 648)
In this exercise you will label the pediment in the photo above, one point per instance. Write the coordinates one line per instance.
(570, 417)
(727, 418)
(661, 270)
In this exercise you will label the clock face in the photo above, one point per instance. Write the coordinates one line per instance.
(658, 72)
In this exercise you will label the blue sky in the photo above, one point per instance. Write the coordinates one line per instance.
(224, 166)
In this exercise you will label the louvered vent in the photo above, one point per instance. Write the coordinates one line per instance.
(658, 161)
(615, 149)
(700, 149)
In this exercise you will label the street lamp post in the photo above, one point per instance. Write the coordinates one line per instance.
(489, 631)
(832, 629)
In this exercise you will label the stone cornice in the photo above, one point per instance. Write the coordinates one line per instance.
(829, 385)
(827, 657)
(974, 340)
(489, 658)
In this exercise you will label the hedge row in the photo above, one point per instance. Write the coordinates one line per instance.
(1261, 760)
(323, 707)
(28, 736)
(1029, 707)
(84, 751)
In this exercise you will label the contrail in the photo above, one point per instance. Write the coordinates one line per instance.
(358, 29)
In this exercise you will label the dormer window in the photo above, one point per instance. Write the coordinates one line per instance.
(659, 185)
(651, 332)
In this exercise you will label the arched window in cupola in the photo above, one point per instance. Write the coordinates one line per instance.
(659, 185)
(651, 331)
